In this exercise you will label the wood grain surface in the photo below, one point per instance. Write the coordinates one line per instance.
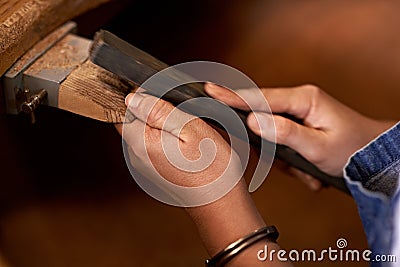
(25, 22)
(93, 92)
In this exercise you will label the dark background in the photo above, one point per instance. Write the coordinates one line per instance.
(66, 196)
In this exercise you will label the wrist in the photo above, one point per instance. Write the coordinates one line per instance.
(227, 219)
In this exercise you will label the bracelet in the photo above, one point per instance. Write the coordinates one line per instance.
(232, 250)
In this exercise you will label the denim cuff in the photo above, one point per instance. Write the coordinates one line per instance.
(372, 176)
(377, 166)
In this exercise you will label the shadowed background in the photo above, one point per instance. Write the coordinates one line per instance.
(66, 196)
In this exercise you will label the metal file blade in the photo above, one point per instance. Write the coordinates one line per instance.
(130, 63)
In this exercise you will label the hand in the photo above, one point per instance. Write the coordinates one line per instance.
(158, 126)
(330, 133)
(181, 148)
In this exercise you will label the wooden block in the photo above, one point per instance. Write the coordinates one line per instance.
(93, 92)
(25, 22)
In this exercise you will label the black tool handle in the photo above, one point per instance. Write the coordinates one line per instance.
(131, 63)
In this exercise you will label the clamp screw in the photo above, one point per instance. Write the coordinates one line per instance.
(32, 102)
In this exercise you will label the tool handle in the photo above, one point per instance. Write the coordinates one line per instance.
(132, 64)
(284, 153)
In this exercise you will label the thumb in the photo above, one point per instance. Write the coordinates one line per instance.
(157, 113)
(275, 128)
(263, 125)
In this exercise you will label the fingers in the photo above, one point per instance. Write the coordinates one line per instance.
(225, 95)
(145, 130)
(296, 101)
(164, 127)
(245, 99)
(133, 135)
(144, 138)
(263, 125)
(157, 113)
(286, 132)
(180, 147)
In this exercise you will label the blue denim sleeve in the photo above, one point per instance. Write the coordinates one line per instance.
(372, 175)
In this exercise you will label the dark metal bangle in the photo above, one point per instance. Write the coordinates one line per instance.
(232, 250)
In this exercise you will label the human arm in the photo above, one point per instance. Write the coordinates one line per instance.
(330, 131)
(330, 135)
(219, 222)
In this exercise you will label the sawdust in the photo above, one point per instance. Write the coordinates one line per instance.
(66, 55)
(41, 47)
(61, 55)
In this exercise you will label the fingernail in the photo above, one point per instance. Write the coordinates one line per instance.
(258, 120)
(211, 87)
(262, 123)
(133, 100)
(128, 99)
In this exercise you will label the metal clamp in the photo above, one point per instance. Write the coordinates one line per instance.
(45, 66)
(32, 102)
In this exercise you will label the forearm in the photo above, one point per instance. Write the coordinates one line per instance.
(220, 222)
(229, 219)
